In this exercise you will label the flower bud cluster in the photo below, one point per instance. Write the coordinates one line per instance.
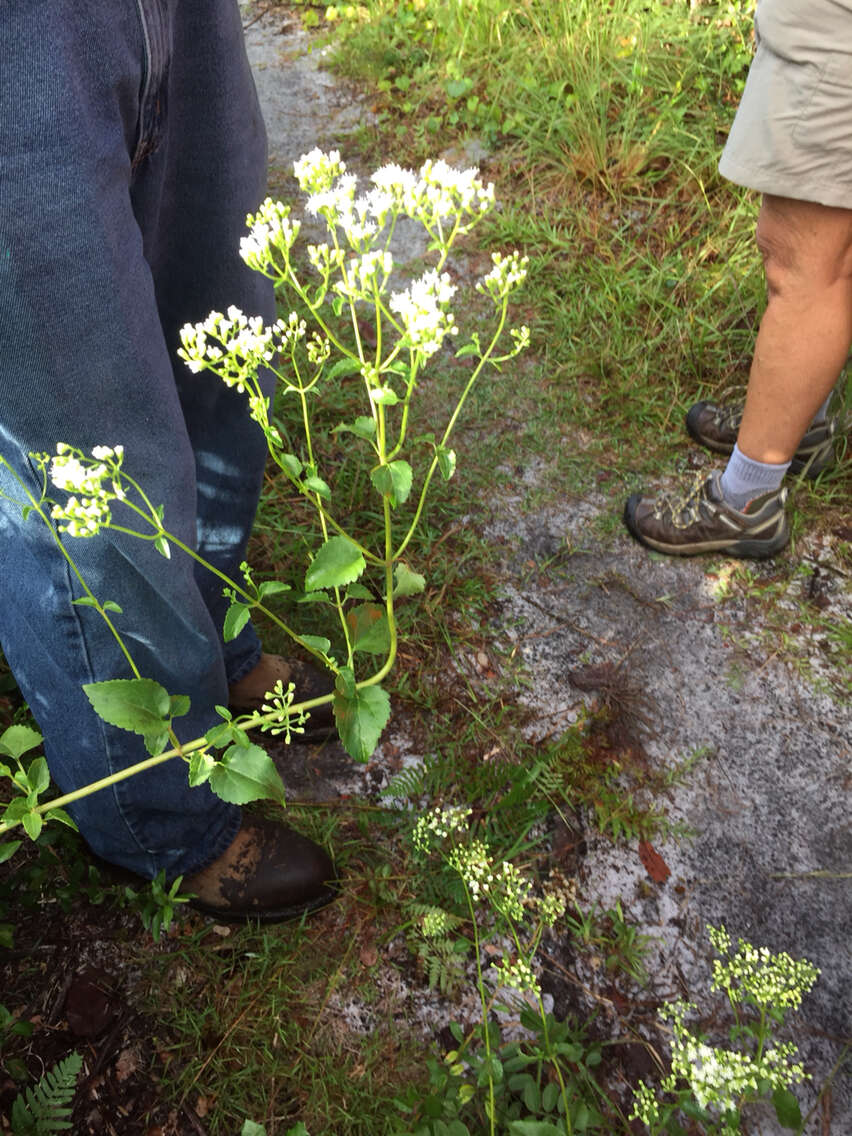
(436, 825)
(508, 273)
(517, 975)
(280, 701)
(721, 1077)
(763, 978)
(92, 484)
(502, 884)
(270, 229)
(235, 346)
(366, 275)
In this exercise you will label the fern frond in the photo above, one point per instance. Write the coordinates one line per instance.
(45, 1108)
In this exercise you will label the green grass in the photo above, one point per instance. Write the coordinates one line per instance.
(602, 125)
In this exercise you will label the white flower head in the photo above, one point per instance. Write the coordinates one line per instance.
(423, 311)
(270, 230)
(92, 484)
(317, 171)
(234, 346)
(507, 274)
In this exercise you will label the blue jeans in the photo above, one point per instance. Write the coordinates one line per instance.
(131, 148)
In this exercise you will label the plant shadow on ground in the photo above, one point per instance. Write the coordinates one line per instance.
(644, 293)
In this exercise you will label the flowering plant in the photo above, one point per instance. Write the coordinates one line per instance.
(355, 324)
(721, 1080)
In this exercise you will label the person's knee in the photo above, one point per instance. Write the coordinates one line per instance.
(804, 246)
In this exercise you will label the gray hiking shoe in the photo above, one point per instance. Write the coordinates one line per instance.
(700, 521)
(715, 426)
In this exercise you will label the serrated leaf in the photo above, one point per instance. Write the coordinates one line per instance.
(140, 705)
(338, 562)
(393, 480)
(468, 349)
(787, 1109)
(408, 583)
(244, 774)
(17, 740)
(360, 719)
(446, 462)
(290, 464)
(363, 427)
(156, 741)
(179, 705)
(201, 765)
(344, 366)
(368, 629)
(38, 776)
(236, 618)
(7, 851)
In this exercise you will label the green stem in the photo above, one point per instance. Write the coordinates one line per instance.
(483, 1001)
(434, 464)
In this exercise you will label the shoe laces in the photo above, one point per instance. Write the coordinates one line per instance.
(684, 508)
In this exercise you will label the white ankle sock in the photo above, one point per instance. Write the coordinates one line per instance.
(745, 479)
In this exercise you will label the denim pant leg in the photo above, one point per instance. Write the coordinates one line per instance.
(205, 169)
(90, 116)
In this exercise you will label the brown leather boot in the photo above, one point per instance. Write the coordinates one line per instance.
(268, 873)
(250, 692)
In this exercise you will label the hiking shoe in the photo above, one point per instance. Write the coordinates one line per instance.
(716, 426)
(700, 521)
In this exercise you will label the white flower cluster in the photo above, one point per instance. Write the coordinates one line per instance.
(270, 230)
(435, 194)
(502, 884)
(438, 192)
(92, 482)
(518, 975)
(508, 273)
(718, 1078)
(757, 975)
(325, 259)
(435, 826)
(279, 703)
(721, 1077)
(317, 171)
(366, 275)
(550, 908)
(235, 346)
(423, 310)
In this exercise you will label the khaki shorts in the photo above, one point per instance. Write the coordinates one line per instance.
(792, 135)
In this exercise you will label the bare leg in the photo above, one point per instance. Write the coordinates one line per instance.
(806, 331)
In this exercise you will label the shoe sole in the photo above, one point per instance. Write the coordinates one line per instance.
(267, 915)
(752, 549)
